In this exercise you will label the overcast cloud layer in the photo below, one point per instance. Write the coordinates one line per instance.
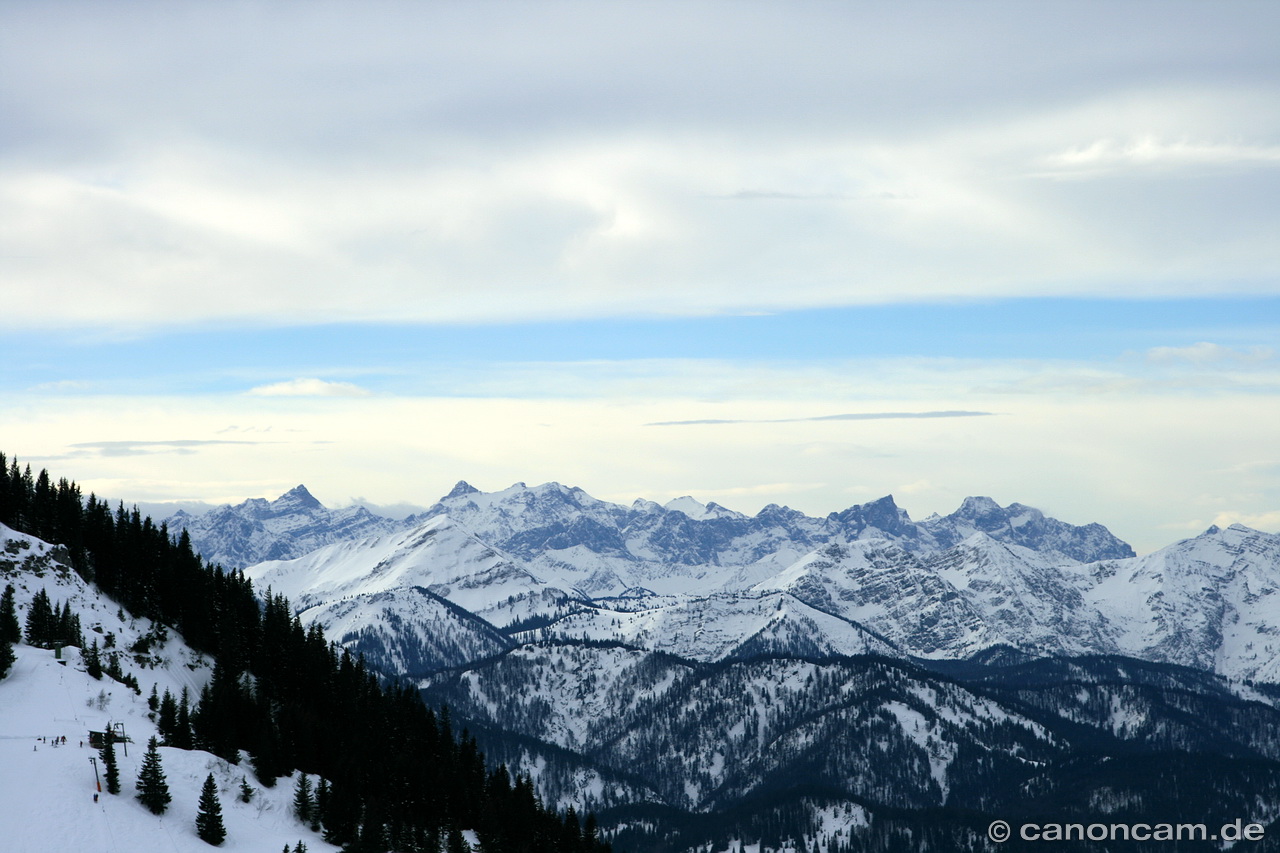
(299, 162)
(805, 252)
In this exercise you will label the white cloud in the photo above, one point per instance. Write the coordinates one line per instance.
(1267, 521)
(1208, 353)
(1105, 155)
(308, 388)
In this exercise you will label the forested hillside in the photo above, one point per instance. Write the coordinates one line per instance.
(398, 775)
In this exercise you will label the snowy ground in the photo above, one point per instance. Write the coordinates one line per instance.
(46, 791)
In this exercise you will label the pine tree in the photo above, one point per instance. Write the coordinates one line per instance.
(10, 630)
(246, 792)
(7, 657)
(209, 818)
(110, 768)
(153, 790)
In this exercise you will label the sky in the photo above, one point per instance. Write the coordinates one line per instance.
(804, 253)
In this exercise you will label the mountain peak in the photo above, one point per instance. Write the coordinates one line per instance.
(977, 505)
(298, 497)
(462, 487)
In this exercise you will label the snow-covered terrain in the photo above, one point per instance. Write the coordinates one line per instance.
(47, 788)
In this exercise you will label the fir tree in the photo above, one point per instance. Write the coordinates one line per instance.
(182, 730)
(153, 790)
(167, 719)
(10, 630)
(7, 657)
(322, 804)
(110, 768)
(454, 842)
(246, 792)
(93, 661)
(40, 620)
(209, 818)
(304, 803)
(113, 667)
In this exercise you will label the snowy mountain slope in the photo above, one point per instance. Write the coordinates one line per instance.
(408, 630)
(571, 695)
(1030, 600)
(720, 626)
(437, 555)
(1209, 602)
(46, 791)
(892, 592)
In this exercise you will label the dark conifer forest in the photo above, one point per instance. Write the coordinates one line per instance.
(398, 776)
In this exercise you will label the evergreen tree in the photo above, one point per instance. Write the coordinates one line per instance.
(113, 667)
(209, 818)
(40, 620)
(7, 657)
(110, 768)
(10, 630)
(304, 803)
(322, 804)
(153, 701)
(93, 661)
(167, 719)
(455, 843)
(182, 738)
(246, 792)
(153, 790)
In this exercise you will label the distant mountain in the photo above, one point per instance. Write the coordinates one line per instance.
(289, 526)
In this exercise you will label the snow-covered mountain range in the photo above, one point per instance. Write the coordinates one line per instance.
(686, 656)
(706, 583)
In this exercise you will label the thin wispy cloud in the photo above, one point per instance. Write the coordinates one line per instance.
(1107, 155)
(309, 388)
(145, 448)
(855, 416)
(1209, 353)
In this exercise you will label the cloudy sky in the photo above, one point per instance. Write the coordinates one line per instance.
(808, 253)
